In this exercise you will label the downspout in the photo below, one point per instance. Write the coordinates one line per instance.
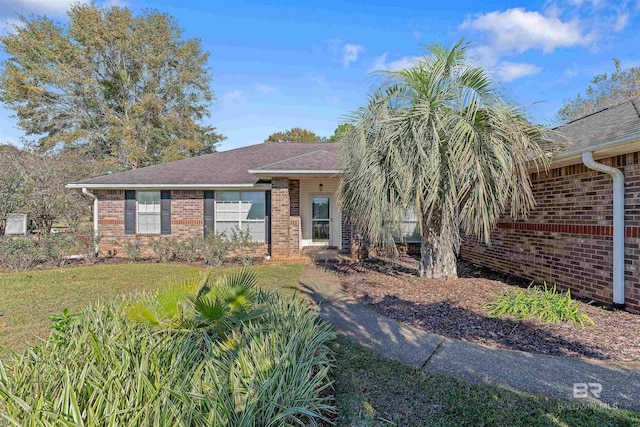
(95, 216)
(618, 225)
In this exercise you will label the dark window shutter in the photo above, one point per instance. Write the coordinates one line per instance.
(267, 218)
(129, 212)
(165, 212)
(209, 213)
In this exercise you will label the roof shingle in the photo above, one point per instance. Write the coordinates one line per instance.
(605, 125)
(225, 167)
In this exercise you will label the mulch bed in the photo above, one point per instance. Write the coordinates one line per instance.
(454, 308)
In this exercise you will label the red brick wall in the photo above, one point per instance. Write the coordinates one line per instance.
(280, 213)
(567, 239)
(187, 221)
(294, 197)
(187, 213)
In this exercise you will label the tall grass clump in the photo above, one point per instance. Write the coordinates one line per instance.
(546, 304)
(269, 370)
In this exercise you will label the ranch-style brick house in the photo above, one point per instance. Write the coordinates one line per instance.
(584, 233)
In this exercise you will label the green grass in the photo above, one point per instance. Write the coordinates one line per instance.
(370, 390)
(29, 298)
(374, 391)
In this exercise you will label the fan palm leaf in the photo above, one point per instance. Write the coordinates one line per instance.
(439, 140)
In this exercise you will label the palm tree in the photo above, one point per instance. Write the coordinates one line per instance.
(438, 139)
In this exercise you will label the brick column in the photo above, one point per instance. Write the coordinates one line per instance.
(280, 211)
(294, 212)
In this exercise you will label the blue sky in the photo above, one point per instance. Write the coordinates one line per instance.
(307, 64)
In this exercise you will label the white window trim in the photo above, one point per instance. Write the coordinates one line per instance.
(240, 220)
(138, 213)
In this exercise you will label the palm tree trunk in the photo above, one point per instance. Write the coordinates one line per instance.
(437, 254)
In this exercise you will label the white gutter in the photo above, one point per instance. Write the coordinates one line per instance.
(618, 225)
(95, 216)
(597, 147)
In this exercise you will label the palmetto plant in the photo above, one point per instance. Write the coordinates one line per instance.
(217, 306)
(438, 139)
(271, 371)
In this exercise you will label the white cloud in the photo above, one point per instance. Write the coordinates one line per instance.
(381, 64)
(47, 7)
(621, 21)
(319, 81)
(505, 71)
(569, 73)
(518, 30)
(233, 97)
(593, 3)
(509, 71)
(350, 53)
(266, 89)
(8, 25)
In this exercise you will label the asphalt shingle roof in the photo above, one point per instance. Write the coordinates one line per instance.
(606, 125)
(227, 167)
(315, 160)
(232, 167)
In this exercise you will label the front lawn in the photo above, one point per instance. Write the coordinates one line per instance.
(30, 297)
(370, 390)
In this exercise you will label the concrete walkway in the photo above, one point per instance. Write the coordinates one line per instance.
(551, 376)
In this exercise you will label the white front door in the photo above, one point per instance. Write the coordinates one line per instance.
(326, 224)
(320, 219)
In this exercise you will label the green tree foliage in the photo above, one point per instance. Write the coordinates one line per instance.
(439, 140)
(604, 91)
(294, 135)
(33, 182)
(12, 188)
(128, 89)
(341, 131)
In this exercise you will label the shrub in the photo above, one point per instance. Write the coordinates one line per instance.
(85, 245)
(56, 248)
(216, 248)
(543, 303)
(189, 250)
(242, 243)
(19, 253)
(200, 303)
(272, 370)
(61, 327)
(164, 248)
(133, 248)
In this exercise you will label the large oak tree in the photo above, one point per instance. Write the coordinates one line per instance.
(127, 89)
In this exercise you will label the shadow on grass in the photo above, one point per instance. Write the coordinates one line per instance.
(374, 391)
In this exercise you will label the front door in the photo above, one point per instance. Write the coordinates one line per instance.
(320, 219)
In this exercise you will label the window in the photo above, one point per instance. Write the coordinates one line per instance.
(241, 209)
(407, 230)
(148, 208)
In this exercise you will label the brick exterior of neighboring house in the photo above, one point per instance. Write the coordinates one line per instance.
(567, 239)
